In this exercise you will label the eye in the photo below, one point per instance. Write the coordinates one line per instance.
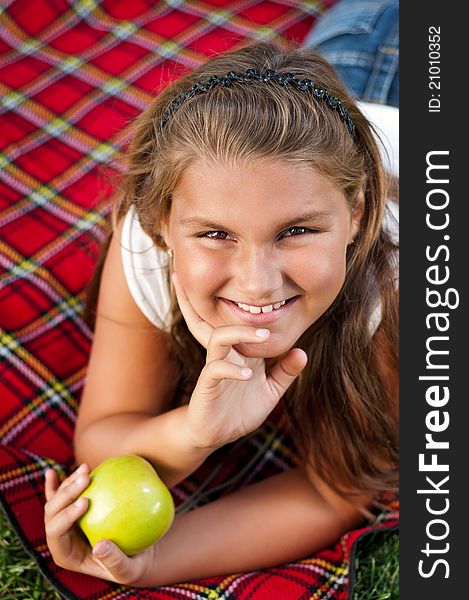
(216, 235)
(295, 231)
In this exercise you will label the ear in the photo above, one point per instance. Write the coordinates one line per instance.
(356, 215)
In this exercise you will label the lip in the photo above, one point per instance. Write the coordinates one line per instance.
(261, 318)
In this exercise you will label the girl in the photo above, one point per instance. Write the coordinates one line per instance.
(249, 264)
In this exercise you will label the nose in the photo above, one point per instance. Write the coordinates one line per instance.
(258, 275)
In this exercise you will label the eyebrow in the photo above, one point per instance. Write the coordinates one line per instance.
(315, 215)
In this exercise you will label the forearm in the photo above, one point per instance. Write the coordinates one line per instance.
(160, 439)
(278, 520)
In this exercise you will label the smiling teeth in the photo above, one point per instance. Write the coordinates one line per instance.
(255, 310)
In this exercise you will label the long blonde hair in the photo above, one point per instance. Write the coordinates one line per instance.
(341, 408)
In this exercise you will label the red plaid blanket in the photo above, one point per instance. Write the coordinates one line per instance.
(72, 73)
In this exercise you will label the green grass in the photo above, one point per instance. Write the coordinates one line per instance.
(20, 579)
(377, 563)
(377, 567)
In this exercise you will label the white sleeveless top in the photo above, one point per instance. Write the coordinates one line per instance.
(146, 266)
(146, 271)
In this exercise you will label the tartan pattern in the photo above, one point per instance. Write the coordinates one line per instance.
(72, 74)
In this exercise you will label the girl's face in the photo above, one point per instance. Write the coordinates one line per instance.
(261, 245)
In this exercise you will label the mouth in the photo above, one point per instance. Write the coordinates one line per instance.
(264, 314)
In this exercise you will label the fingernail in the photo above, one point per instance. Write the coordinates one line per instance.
(262, 332)
(80, 480)
(246, 372)
(79, 503)
(81, 468)
(102, 549)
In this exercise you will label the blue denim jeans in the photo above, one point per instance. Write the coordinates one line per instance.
(360, 38)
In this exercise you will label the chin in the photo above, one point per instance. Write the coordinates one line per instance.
(266, 350)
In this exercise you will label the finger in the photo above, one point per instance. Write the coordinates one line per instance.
(286, 370)
(199, 328)
(60, 523)
(122, 569)
(83, 469)
(225, 337)
(66, 494)
(51, 483)
(217, 371)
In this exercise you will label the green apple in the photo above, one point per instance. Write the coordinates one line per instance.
(128, 504)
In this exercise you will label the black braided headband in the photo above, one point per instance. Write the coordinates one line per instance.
(284, 79)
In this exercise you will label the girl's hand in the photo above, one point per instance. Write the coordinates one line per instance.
(234, 394)
(67, 544)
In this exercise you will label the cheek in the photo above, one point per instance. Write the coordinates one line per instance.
(332, 275)
(201, 272)
(321, 274)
